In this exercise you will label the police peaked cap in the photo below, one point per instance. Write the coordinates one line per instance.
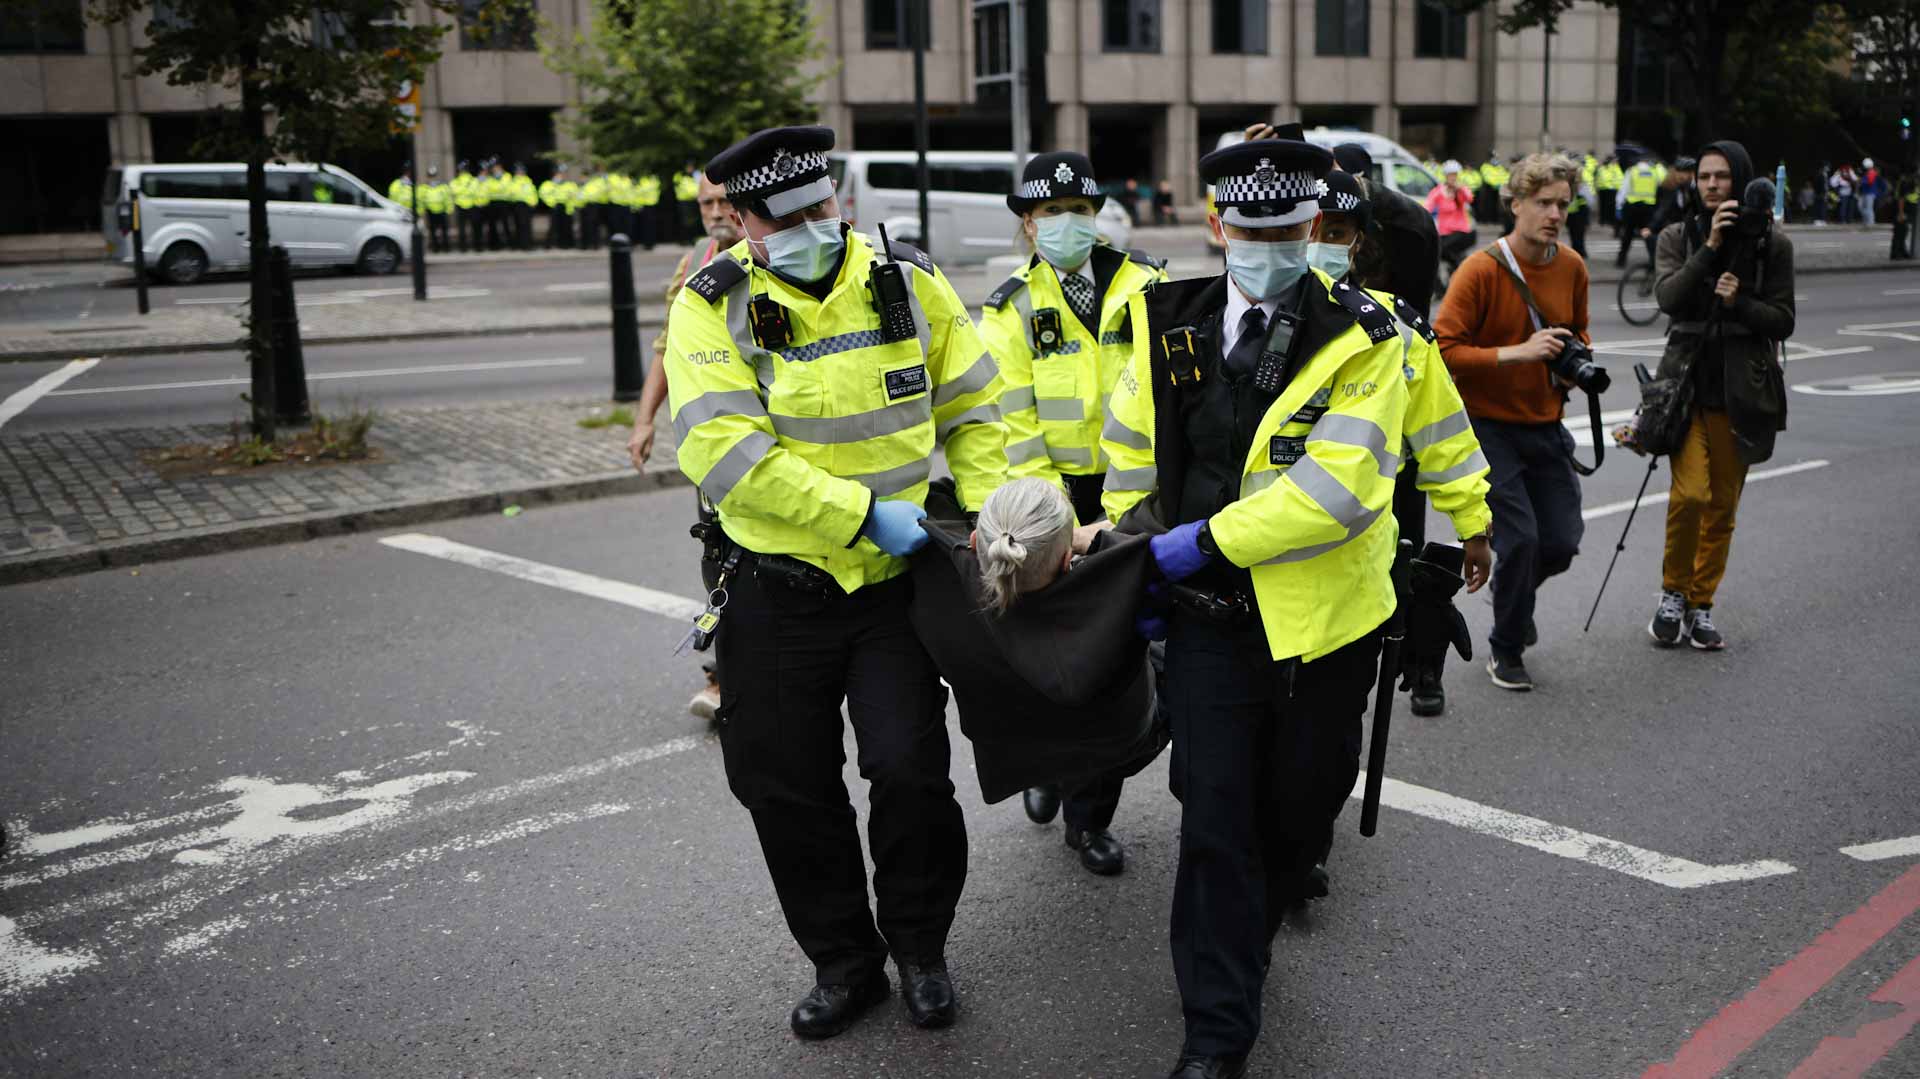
(777, 171)
(1267, 183)
(1061, 174)
(1344, 196)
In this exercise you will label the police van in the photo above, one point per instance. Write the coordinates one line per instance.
(193, 219)
(1393, 165)
(966, 201)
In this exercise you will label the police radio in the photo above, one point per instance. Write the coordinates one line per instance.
(1182, 351)
(888, 284)
(1048, 335)
(1272, 368)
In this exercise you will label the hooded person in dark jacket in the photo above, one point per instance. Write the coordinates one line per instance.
(1725, 277)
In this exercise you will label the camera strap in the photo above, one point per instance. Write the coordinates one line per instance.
(1593, 399)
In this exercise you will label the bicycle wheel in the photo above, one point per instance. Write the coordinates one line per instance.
(1635, 295)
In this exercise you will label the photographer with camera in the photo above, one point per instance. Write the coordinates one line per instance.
(1512, 329)
(1725, 277)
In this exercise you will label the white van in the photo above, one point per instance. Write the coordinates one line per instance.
(1393, 164)
(966, 201)
(193, 219)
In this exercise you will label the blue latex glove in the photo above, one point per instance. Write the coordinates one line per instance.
(1178, 552)
(895, 528)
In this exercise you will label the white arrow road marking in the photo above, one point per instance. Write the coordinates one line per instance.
(383, 372)
(1610, 508)
(1596, 850)
(1908, 847)
(21, 400)
(586, 584)
(25, 965)
(1896, 330)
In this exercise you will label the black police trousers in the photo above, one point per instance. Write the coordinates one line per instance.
(1264, 757)
(786, 660)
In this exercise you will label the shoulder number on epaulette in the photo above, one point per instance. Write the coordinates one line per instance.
(1372, 318)
(910, 253)
(1413, 318)
(717, 279)
(1008, 290)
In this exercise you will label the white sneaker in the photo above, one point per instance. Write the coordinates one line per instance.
(706, 703)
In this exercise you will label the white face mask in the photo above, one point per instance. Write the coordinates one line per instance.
(1334, 260)
(1065, 240)
(806, 251)
(1265, 269)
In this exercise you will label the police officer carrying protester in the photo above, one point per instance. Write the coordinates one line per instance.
(1258, 424)
(811, 379)
(1058, 328)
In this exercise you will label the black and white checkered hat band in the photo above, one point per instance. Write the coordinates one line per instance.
(1274, 187)
(1044, 189)
(1343, 202)
(1270, 216)
(782, 169)
(783, 203)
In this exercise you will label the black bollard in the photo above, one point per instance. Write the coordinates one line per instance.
(139, 255)
(290, 405)
(627, 373)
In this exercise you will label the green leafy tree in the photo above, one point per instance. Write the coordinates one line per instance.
(325, 70)
(665, 82)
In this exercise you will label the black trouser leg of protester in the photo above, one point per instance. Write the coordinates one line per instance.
(786, 660)
(1091, 807)
(1084, 492)
(1261, 764)
(1535, 497)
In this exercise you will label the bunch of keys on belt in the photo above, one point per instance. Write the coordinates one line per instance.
(700, 637)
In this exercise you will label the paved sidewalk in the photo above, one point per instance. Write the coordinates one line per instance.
(76, 501)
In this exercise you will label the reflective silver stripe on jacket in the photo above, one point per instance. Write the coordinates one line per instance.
(1115, 431)
(1301, 554)
(986, 413)
(1439, 431)
(893, 481)
(1468, 467)
(1334, 499)
(1026, 450)
(713, 405)
(1350, 430)
(859, 427)
(1068, 455)
(1133, 479)
(974, 379)
(1016, 399)
(1069, 409)
(732, 467)
(737, 328)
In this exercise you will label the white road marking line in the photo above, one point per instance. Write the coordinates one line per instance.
(250, 865)
(211, 299)
(1908, 847)
(1889, 385)
(327, 301)
(586, 584)
(1901, 292)
(384, 372)
(1611, 508)
(1816, 353)
(461, 293)
(1596, 850)
(1582, 429)
(579, 286)
(25, 965)
(1881, 329)
(22, 399)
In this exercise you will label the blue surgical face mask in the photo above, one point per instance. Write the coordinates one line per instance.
(1334, 260)
(1264, 270)
(1065, 239)
(806, 251)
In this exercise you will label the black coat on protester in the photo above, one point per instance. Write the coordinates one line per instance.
(1056, 690)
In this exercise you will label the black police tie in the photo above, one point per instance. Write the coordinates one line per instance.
(1246, 348)
(1079, 292)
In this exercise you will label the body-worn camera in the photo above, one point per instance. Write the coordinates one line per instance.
(1575, 364)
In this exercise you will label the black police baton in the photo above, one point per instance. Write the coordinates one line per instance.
(1396, 634)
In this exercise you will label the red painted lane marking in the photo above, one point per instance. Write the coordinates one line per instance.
(1849, 1056)
(1740, 1024)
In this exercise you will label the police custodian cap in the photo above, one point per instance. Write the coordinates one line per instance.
(1267, 183)
(1061, 174)
(1345, 197)
(777, 171)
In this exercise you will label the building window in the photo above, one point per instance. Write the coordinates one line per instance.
(1439, 32)
(504, 28)
(1240, 26)
(1340, 27)
(890, 24)
(1132, 25)
(42, 26)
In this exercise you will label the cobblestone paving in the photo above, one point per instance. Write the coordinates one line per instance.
(64, 491)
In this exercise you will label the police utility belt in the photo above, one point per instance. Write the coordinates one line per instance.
(729, 560)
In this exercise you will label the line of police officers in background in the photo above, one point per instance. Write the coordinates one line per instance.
(493, 209)
(1625, 191)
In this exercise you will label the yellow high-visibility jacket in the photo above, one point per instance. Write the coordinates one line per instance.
(1055, 395)
(1440, 442)
(1313, 524)
(793, 443)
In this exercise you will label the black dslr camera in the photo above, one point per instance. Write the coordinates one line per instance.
(1575, 364)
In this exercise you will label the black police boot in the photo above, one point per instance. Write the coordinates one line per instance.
(1099, 851)
(928, 991)
(830, 1009)
(1427, 697)
(1196, 1067)
(1042, 804)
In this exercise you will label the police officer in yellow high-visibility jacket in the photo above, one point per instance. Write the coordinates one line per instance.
(525, 197)
(645, 198)
(469, 202)
(401, 189)
(809, 420)
(1058, 328)
(594, 203)
(1637, 201)
(558, 194)
(436, 201)
(1260, 423)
